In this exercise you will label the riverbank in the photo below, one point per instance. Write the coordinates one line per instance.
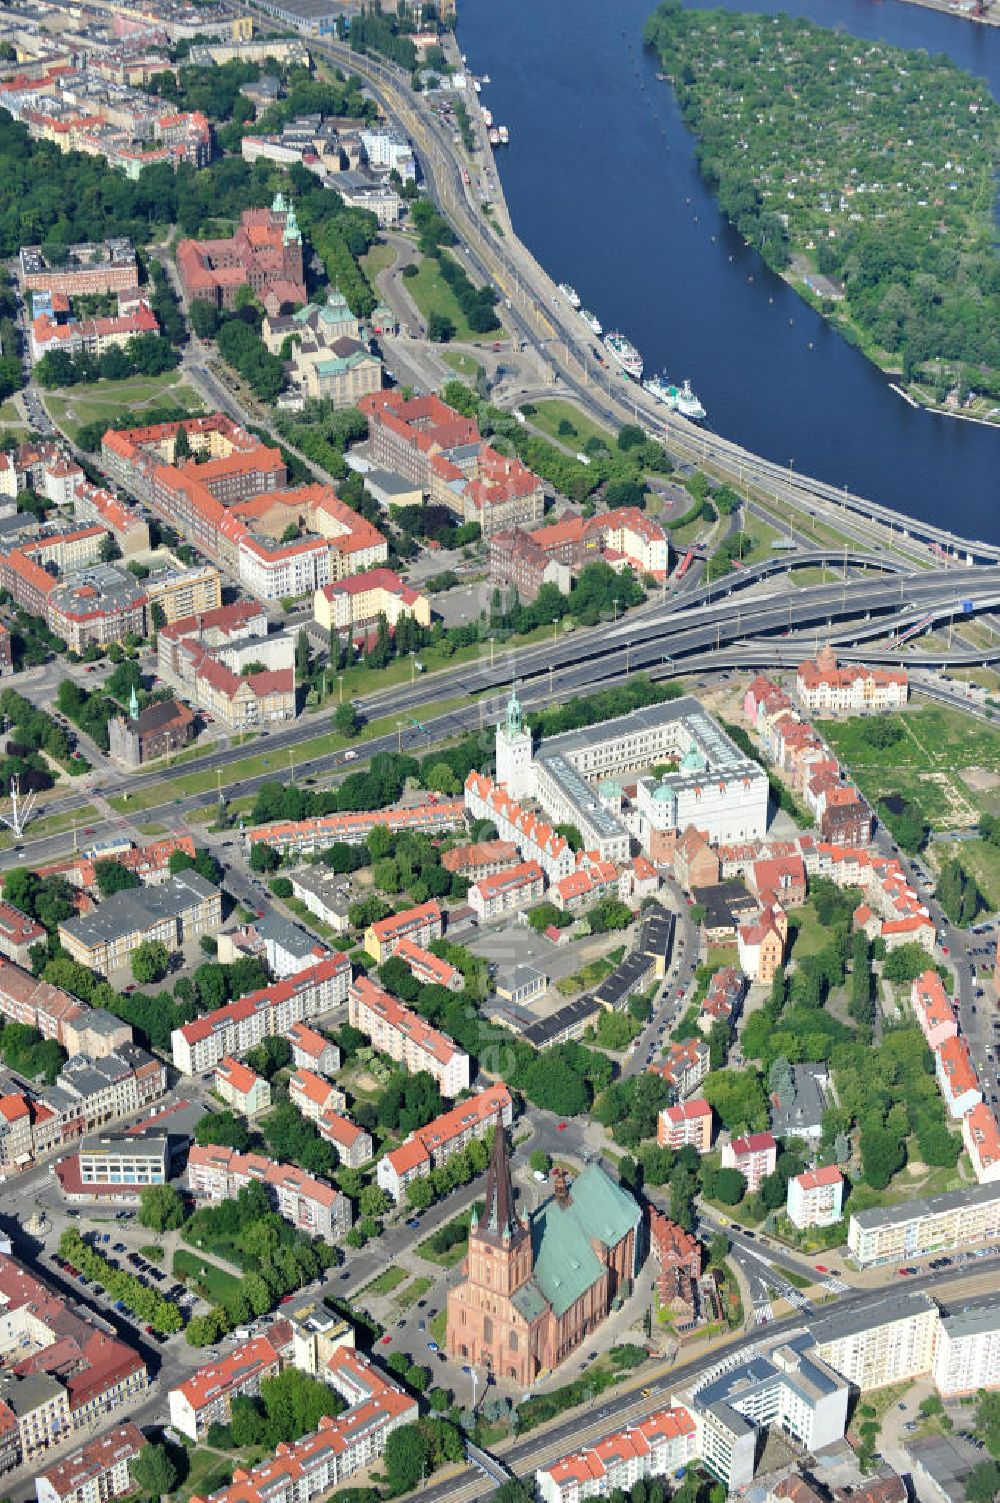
(945, 9)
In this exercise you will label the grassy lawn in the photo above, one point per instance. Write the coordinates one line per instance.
(810, 938)
(413, 1291)
(454, 1254)
(105, 399)
(812, 574)
(432, 294)
(691, 532)
(208, 1471)
(549, 414)
(947, 762)
(10, 417)
(386, 1282)
(438, 1326)
(463, 365)
(211, 1280)
(254, 767)
(153, 829)
(589, 975)
(378, 259)
(720, 955)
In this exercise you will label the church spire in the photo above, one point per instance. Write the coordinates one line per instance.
(500, 1220)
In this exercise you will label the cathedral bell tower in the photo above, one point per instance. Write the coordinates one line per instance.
(500, 1243)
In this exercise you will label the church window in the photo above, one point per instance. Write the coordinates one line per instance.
(512, 1341)
(487, 1328)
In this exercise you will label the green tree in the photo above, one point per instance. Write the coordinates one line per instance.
(112, 877)
(153, 1471)
(983, 1483)
(540, 1161)
(346, 720)
(405, 1459)
(161, 1208)
(150, 961)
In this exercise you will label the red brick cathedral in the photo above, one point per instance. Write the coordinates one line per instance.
(535, 1290)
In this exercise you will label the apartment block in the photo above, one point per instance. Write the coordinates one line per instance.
(183, 909)
(242, 1088)
(684, 1066)
(753, 1156)
(95, 1473)
(815, 1198)
(310, 1468)
(967, 1347)
(446, 1135)
(326, 895)
(660, 1446)
(18, 933)
(824, 688)
(353, 606)
(981, 1136)
(937, 1224)
(956, 1077)
(428, 968)
(200, 1045)
(689, 1122)
(206, 1398)
(111, 266)
(933, 1010)
(407, 1037)
(420, 924)
(312, 1050)
(309, 1204)
(508, 892)
(185, 592)
(318, 834)
(90, 1094)
(480, 859)
(313, 1095)
(890, 1339)
(354, 1146)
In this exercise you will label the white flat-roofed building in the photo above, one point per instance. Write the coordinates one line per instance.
(967, 1347)
(890, 1339)
(944, 1223)
(119, 1159)
(326, 895)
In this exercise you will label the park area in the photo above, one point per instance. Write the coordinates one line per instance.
(73, 408)
(940, 761)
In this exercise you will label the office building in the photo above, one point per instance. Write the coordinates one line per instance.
(182, 909)
(123, 1159)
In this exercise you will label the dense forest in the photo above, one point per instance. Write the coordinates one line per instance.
(868, 164)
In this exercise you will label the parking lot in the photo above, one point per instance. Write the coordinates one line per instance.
(119, 1256)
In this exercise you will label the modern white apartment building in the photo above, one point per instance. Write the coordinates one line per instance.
(888, 1340)
(200, 1045)
(407, 1037)
(940, 1223)
(967, 1347)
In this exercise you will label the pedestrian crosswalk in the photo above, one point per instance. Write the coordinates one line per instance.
(763, 1313)
(835, 1286)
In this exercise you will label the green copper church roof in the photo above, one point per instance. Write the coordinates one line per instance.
(566, 1264)
(530, 1302)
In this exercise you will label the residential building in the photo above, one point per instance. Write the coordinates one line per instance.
(18, 933)
(517, 560)
(85, 269)
(753, 1156)
(76, 1373)
(160, 729)
(689, 1122)
(206, 655)
(182, 909)
(206, 1398)
(309, 1204)
(967, 1347)
(185, 592)
(308, 1469)
(313, 1095)
(623, 537)
(420, 924)
(481, 859)
(407, 1037)
(785, 1382)
(723, 1001)
(658, 1446)
(933, 1010)
(123, 1159)
(956, 1076)
(429, 969)
(815, 1198)
(326, 895)
(448, 1134)
(823, 688)
(684, 1066)
(97, 605)
(318, 834)
(89, 1094)
(288, 949)
(39, 1004)
(981, 1136)
(937, 1224)
(354, 1146)
(353, 606)
(889, 1339)
(535, 839)
(95, 1473)
(779, 879)
(89, 336)
(535, 1289)
(508, 892)
(312, 1050)
(761, 944)
(199, 1045)
(592, 880)
(242, 1088)
(265, 254)
(92, 504)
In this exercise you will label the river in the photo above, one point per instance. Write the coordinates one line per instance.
(602, 186)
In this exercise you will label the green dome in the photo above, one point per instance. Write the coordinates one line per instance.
(692, 760)
(609, 788)
(663, 794)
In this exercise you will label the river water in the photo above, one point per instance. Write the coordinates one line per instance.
(602, 186)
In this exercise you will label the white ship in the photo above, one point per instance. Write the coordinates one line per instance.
(570, 294)
(679, 399)
(626, 354)
(592, 321)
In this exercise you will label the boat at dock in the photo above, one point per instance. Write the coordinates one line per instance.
(680, 399)
(625, 352)
(487, 117)
(494, 136)
(504, 134)
(592, 321)
(570, 294)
